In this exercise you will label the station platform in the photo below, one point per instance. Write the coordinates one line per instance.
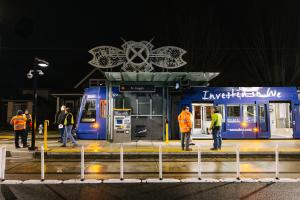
(145, 148)
(96, 149)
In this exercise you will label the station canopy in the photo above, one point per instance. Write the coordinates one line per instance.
(160, 76)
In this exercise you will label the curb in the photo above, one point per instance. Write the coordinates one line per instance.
(145, 181)
(166, 155)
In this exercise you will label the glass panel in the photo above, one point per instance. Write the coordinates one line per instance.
(208, 113)
(103, 108)
(262, 114)
(282, 115)
(233, 113)
(144, 105)
(249, 113)
(157, 105)
(297, 117)
(89, 111)
(222, 111)
(197, 117)
(130, 102)
(118, 101)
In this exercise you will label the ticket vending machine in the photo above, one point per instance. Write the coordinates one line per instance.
(122, 125)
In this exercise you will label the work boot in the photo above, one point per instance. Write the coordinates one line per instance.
(214, 149)
(75, 145)
(63, 145)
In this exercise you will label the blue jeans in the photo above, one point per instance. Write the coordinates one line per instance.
(61, 131)
(68, 135)
(217, 138)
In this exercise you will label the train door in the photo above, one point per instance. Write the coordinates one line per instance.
(263, 125)
(201, 119)
(280, 120)
(296, 121)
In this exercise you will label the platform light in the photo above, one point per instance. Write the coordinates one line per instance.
(244, 124)
(41, 63)
(255, 130)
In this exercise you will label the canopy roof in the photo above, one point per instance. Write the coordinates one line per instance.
(160, 76)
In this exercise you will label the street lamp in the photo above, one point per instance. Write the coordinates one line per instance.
(38, 65)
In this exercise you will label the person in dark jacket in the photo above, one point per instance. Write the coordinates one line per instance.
(68, 123)
(28, 126)
(60, 119)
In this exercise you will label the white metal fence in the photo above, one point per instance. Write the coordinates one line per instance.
(160, 170)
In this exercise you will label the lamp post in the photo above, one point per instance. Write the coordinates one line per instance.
(38, 65)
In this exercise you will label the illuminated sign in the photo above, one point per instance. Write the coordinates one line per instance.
(207, 95)
(137, 88)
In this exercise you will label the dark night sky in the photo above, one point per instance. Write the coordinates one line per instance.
(252, 43)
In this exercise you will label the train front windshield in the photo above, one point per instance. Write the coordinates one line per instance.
(89, 111)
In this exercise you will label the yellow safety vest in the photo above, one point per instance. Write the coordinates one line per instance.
(66, 119)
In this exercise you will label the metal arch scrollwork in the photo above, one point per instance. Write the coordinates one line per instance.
(169, 57)
(107, 57)
(137, 56)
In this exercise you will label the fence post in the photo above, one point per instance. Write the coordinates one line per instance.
(42, 163)
(82, 164)
(3, 162)
(46, 124)
(199, 163)
(276, 162)
(121, 163)
(237, 162)
(160, 162)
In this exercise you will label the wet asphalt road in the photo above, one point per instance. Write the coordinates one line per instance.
(209, 191)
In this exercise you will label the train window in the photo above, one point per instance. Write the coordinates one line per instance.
(249, 113)
(208, 113)
(233, 113)
(103, 108)
(89, 111)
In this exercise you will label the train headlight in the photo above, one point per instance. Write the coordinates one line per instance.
(255, 130)
(244, 124)
(95, 125)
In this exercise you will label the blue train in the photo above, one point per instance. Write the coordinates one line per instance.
(248, 112)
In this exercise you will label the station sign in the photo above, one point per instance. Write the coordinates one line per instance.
(137, 88)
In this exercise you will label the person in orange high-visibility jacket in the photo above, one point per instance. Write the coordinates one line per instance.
(19, 124)
(185, 126)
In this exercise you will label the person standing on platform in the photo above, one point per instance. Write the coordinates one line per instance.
(19, 124)
(28, 124)
(215, 127)
(60, 119)
(68, 123)
(185, 125)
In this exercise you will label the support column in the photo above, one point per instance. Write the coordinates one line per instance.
(57, 104)
(10, 110)
(110, 115)
(164, 113)
(29, 106)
